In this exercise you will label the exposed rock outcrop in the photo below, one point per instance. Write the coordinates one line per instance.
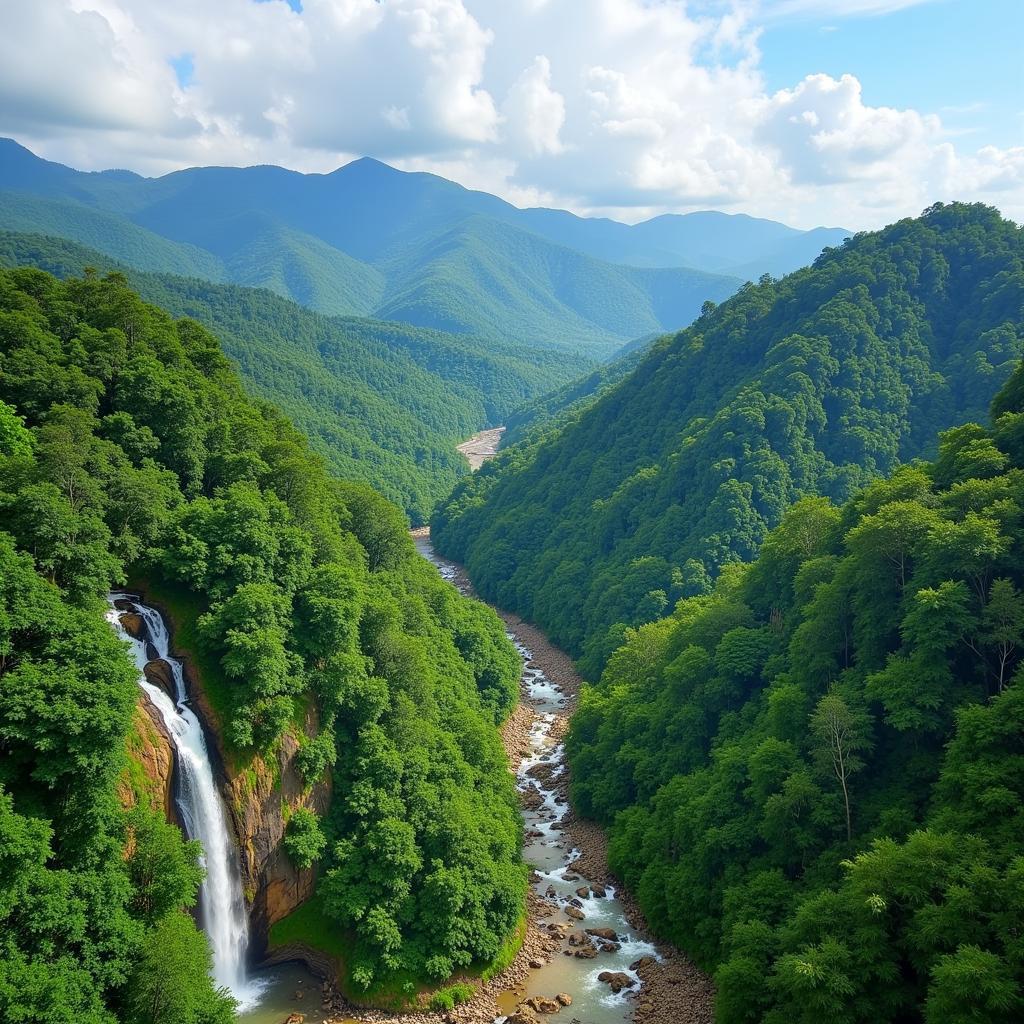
(259, 799)
(151, 751)
(259, 794)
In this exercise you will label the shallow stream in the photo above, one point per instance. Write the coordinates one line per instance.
(550, 855)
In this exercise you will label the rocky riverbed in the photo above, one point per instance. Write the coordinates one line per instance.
(481, 447)
(672, 990)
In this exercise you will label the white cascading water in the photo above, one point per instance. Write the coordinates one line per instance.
(221, 902)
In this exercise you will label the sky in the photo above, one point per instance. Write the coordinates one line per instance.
(846, 113)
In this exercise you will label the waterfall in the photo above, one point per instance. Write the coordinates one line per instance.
(221, 902)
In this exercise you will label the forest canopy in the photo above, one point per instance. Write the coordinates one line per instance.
(814, 773)
(814, 384)
(382, 403)
(129, 449)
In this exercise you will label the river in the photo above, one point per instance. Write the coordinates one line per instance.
(569, 908)
(572, 904)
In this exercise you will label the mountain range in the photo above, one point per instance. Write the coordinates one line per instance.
(383, 403)
(370, 240)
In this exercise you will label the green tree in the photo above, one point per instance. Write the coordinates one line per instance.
(843, 734)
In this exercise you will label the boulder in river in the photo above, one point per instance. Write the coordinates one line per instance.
(608, 934)
(158, 674)
(523, 1015)
(616, 980)
(575, 913)
(540, 1004)
(644, 961)
(133, 624)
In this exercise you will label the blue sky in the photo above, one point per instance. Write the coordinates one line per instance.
(963, 59)
(839, 112)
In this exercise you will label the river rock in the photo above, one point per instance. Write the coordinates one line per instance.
(616, 980)
(575, 913)
(541, 772)
(158, 674)
(564, 998)
(133, 624)
(523, 1015)
(608, 934)
(644, 961)
(542, 1005)
(531, 799)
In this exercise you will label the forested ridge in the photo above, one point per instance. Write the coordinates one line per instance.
(128, 448)
(813, 384)
(384, 403)
(814, 773)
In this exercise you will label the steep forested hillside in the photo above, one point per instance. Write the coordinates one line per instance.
(382, 402)
(129, 449)
(555, 409)
(371, 240)
(814, 774)
(809, 385)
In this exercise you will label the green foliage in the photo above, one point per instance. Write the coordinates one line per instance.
(383, 403)
(814, 384)
(172, 981)
(814, 774)
(304, 840)
(130, 447)
(452, 996)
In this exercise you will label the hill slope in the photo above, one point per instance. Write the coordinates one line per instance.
(383, 403)
(813, 774)
(329, 648)
(813, 384)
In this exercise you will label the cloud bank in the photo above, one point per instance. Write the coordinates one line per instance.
(624, 107)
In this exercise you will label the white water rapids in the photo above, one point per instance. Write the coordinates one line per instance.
(221, 902)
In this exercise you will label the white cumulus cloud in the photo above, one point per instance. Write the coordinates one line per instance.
(625, 107)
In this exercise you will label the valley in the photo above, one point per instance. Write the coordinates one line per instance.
(420, 609)
(589, 929)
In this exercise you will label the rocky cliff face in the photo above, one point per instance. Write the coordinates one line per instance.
(150, 776)
(260, 799)
(260, 795)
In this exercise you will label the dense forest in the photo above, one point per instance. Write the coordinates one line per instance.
(814, 384)
(814, 773)
(383, 403)
(129, 450)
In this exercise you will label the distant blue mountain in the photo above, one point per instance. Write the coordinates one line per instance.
(368, 239)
